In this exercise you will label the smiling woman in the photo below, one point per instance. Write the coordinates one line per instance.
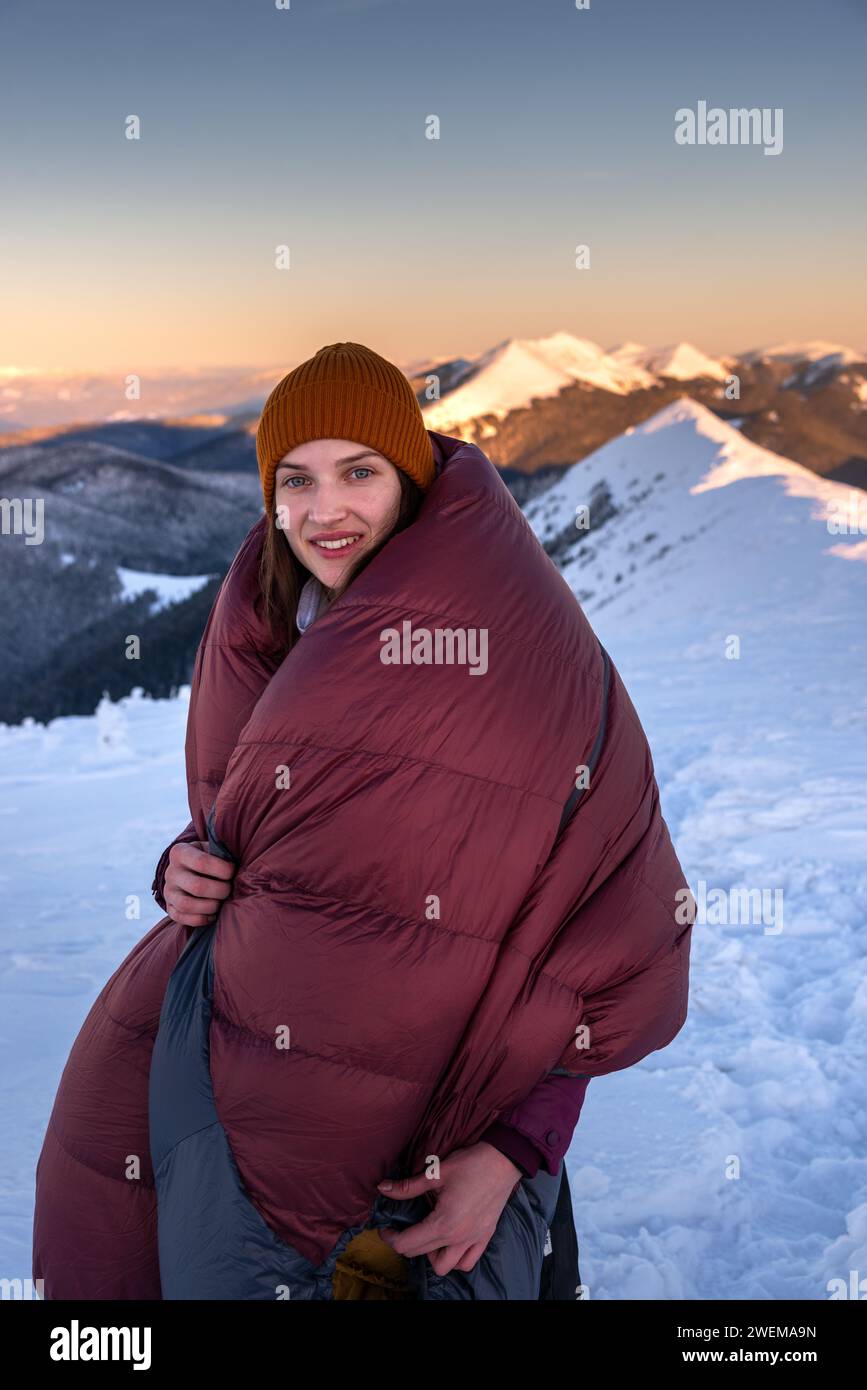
(335, 500)
(330, 507)
(359, 1042)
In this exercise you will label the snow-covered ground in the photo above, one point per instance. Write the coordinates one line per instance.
(87, 806)
(733, 1163)
(169, 588)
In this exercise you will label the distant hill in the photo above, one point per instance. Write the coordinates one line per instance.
(65, 618)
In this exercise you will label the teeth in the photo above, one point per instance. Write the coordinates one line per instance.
(337, 545)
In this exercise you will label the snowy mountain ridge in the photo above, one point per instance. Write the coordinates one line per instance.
(514, 373)
(693, 497)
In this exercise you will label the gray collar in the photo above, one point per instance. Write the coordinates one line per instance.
(312, 602)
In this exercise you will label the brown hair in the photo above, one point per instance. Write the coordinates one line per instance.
(282, 575)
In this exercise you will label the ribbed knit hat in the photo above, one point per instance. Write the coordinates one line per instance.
(346, 391)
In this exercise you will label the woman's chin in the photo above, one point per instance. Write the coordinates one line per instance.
(332, 573)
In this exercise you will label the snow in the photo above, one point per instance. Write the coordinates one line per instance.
(859, 386)
(813, 351)
(170, 588)
(731, 1164)
(87, 805)
(671, 479)
(520, 370)
(678, 361)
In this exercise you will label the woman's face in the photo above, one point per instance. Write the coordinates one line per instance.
(339, 491)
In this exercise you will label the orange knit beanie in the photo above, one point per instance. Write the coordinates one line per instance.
(346, 391)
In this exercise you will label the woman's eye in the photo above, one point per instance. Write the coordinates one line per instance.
(297, 478)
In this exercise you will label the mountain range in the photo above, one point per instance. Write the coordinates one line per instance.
(172, 496)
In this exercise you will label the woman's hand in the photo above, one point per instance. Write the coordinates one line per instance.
(473, 1187)
(197, 883)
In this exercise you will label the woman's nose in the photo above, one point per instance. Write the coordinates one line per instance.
(325, 509)
(323, 516)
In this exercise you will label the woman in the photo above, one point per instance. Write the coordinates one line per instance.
(415, 958)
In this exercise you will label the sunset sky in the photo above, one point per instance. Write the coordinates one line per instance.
(306, 127)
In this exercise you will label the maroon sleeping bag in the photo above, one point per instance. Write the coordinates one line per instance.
(403, 956)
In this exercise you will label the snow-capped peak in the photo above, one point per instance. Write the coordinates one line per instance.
(628, 351)
(517, 371)
(679, 361)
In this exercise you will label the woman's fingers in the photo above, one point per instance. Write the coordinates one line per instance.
(202, 875)
(400, 1189)
(421, 1239)
(197, 885)
(449, 1257)
(199, 861)
(190, 911)
(183, 919)
(472, 1256)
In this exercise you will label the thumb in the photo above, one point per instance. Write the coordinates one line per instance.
(400, 1188)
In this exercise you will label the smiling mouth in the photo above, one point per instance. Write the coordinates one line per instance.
(336, 547)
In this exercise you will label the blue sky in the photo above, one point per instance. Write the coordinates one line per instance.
(306, 127)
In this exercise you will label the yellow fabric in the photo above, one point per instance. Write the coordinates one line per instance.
(369, 1268)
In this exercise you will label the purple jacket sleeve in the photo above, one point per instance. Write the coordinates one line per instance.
(540, 1129)
(188, 834)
